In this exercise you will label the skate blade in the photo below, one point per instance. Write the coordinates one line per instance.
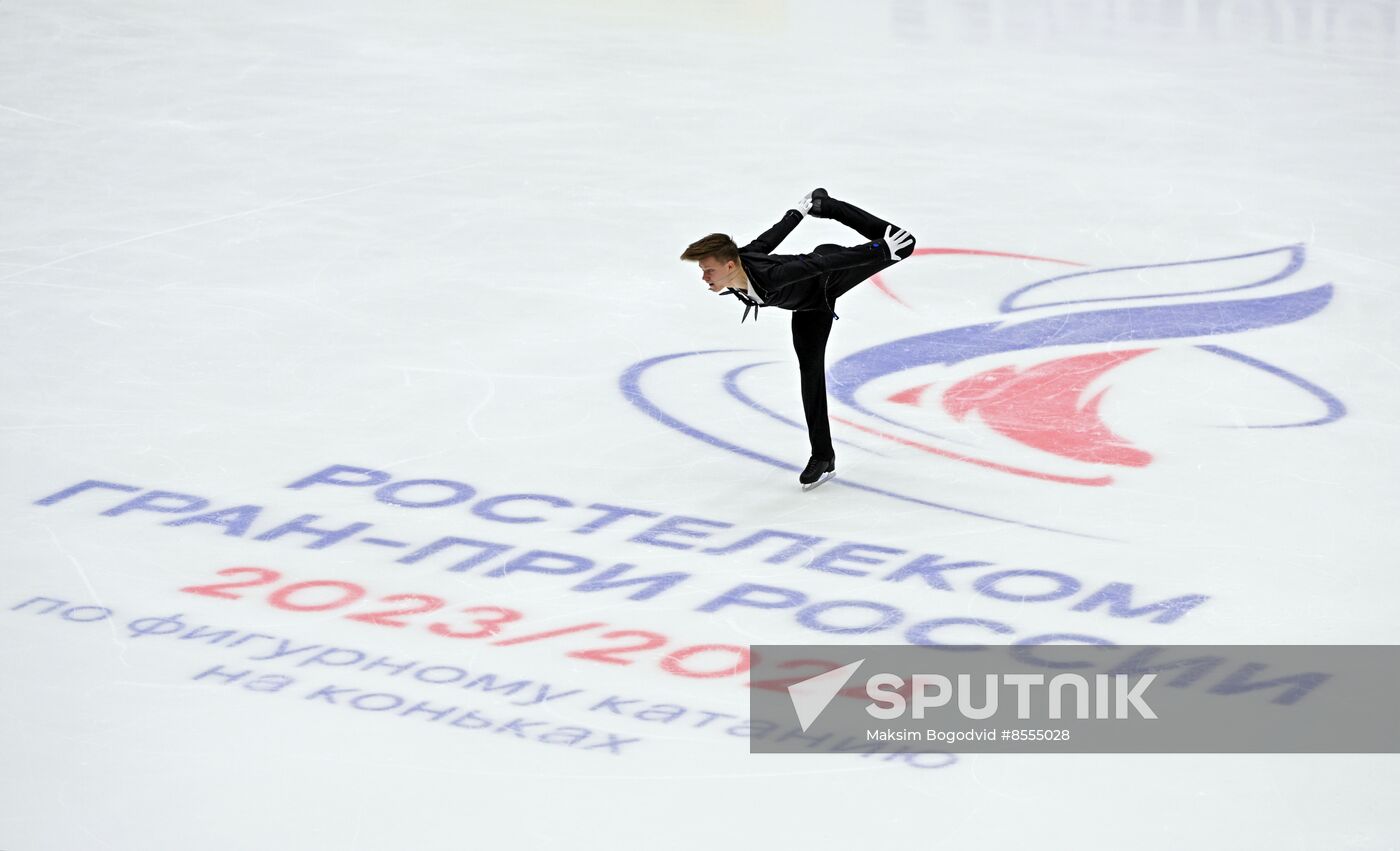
(826, 477)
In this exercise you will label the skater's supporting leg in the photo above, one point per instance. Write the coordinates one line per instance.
(810, 330)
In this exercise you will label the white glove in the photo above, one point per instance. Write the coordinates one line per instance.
(805, 205)
(896, 241)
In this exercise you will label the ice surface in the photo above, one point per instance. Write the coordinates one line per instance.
(241, 243)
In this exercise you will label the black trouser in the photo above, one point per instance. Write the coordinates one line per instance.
(810, 328)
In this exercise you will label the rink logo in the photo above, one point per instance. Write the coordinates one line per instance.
(1022, 395)
(1048, 405)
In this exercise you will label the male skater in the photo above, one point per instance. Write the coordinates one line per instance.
(808, 285)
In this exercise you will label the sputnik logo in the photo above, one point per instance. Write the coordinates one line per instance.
(815, 694)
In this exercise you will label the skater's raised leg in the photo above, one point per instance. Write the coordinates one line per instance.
(869, 226)
(853, 217)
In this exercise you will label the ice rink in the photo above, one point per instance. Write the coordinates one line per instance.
(385, 298)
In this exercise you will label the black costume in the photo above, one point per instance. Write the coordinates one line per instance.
(808, 285)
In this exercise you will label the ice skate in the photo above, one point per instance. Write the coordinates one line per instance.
(818, 470)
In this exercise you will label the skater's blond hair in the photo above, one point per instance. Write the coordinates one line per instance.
(716, 245)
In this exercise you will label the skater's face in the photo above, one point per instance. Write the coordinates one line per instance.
(718, 275)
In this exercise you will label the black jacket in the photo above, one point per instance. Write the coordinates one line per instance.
(797, 281)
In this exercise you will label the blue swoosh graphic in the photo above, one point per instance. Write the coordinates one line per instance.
(1118, 325)
(1335, 408)
(1295, 262)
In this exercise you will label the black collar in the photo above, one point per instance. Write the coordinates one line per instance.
(749, 303)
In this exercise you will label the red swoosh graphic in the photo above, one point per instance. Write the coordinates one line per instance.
(1019, 471)
(880, 283)
(1040, 407)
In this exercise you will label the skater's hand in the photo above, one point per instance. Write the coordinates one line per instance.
(897, 241)
(805, 205)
